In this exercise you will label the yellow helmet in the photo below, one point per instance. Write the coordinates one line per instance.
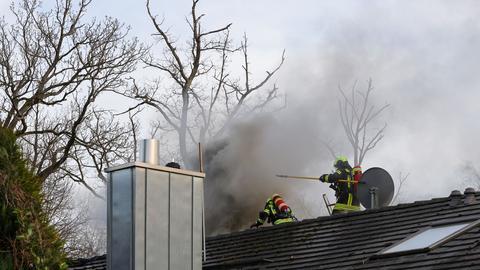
(340, 160)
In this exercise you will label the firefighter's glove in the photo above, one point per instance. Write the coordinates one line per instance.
(255, 225)
(263, 215)
(322, 178)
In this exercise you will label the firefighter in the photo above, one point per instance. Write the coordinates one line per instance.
(342, 181)
(276, 211)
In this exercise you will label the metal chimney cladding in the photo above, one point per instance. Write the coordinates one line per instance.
(149, 151)
(155, 217)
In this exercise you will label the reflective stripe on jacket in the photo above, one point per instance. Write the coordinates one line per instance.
(346, 207)
(345, 192)
(271, 214)
(283, 220)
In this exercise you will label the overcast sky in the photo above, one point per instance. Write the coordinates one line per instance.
(423, 58)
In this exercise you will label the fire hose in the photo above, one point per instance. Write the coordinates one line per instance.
(315, 178)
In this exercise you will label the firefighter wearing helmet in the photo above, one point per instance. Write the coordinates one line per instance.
(342, 182)
(276, 211)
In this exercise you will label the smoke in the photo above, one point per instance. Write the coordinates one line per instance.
(423, 58)
(241, 169)
(420, 63)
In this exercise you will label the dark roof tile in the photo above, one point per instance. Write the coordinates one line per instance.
(347, 241)
(95, 263)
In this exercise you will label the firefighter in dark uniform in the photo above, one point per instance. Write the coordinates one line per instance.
(276, 211)
(345, 188)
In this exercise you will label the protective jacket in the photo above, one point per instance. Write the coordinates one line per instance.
(345, 191)
(272, 214)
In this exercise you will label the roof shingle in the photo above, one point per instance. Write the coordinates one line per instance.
(348, 241)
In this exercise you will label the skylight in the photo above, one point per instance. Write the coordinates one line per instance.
(428, 238)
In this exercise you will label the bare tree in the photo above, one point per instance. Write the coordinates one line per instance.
(357, 115)
(83, 238)
(198, 98)
(67, 217)
(91, 240)
(54, 67)
(402, 178)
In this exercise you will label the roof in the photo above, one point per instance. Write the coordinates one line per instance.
(95, 263)
(350, 241)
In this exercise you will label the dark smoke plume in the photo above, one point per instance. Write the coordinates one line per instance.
(241, 172)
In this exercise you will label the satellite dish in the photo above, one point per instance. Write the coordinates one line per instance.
(377, 188)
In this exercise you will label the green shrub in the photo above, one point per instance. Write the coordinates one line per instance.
(27, 241)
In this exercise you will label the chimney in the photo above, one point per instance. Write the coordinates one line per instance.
(455, 198)
(155, 215)
(149, 151)
(470, 196)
